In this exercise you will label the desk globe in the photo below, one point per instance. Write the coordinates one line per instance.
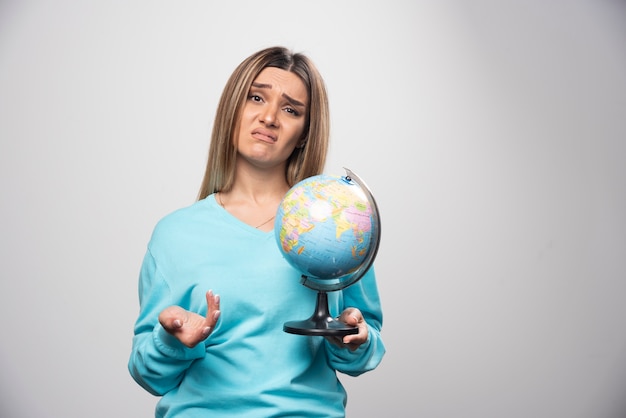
(328, 228)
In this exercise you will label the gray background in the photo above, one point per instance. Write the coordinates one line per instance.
(493, 135)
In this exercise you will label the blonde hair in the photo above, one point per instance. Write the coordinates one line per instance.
(305, 161)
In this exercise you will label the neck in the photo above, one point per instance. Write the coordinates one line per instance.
(253, 199)
(259, 186)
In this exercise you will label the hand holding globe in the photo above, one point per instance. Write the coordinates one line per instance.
(328, 228)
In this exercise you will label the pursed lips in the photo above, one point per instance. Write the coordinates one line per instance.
(264, 135)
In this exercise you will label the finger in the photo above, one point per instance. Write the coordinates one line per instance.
(171, 318)
(354, 340)
(213, 305)
(352, 319)
(351, 316)
(172, 325)
(359, 338)
(206, 331)
(212, 300)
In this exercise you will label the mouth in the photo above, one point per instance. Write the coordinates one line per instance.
(264, 135)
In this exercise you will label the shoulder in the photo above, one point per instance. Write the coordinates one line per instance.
(182, 220)
(182, 214)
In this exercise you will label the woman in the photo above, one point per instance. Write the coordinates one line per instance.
(227, 355)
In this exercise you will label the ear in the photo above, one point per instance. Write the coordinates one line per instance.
(302, 143)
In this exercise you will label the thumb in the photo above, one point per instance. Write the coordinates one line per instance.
(350, 317)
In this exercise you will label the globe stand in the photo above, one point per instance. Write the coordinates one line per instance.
(321, 322)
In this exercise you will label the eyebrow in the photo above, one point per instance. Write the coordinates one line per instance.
(286, 96)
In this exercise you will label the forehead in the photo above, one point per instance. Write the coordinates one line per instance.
(282, 82)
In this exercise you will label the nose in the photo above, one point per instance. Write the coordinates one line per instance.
(269, 115)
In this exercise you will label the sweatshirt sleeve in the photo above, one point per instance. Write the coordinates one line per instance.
(364, 296)
(158, 361)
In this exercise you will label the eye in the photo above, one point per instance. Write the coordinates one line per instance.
(292, 111)
(255, 98)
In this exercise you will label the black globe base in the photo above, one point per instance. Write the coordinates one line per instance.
(320, 323)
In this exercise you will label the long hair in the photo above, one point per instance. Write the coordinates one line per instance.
(305, 161)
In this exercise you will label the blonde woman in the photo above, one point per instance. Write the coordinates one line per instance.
(214, 289)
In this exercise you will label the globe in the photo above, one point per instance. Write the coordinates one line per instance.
(328, 228)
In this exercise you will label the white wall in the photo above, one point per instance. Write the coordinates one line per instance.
(493, 135)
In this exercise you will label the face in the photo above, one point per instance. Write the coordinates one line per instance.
(273, 118)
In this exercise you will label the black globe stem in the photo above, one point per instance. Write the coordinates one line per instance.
(322, 313)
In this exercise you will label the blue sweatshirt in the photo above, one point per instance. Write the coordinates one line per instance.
(248, 366)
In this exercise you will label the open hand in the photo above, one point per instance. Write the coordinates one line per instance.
(189, 327)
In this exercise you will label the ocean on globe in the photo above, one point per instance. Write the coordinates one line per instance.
(324, 227)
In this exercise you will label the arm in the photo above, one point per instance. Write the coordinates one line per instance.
(358, 353)
(167, 338)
